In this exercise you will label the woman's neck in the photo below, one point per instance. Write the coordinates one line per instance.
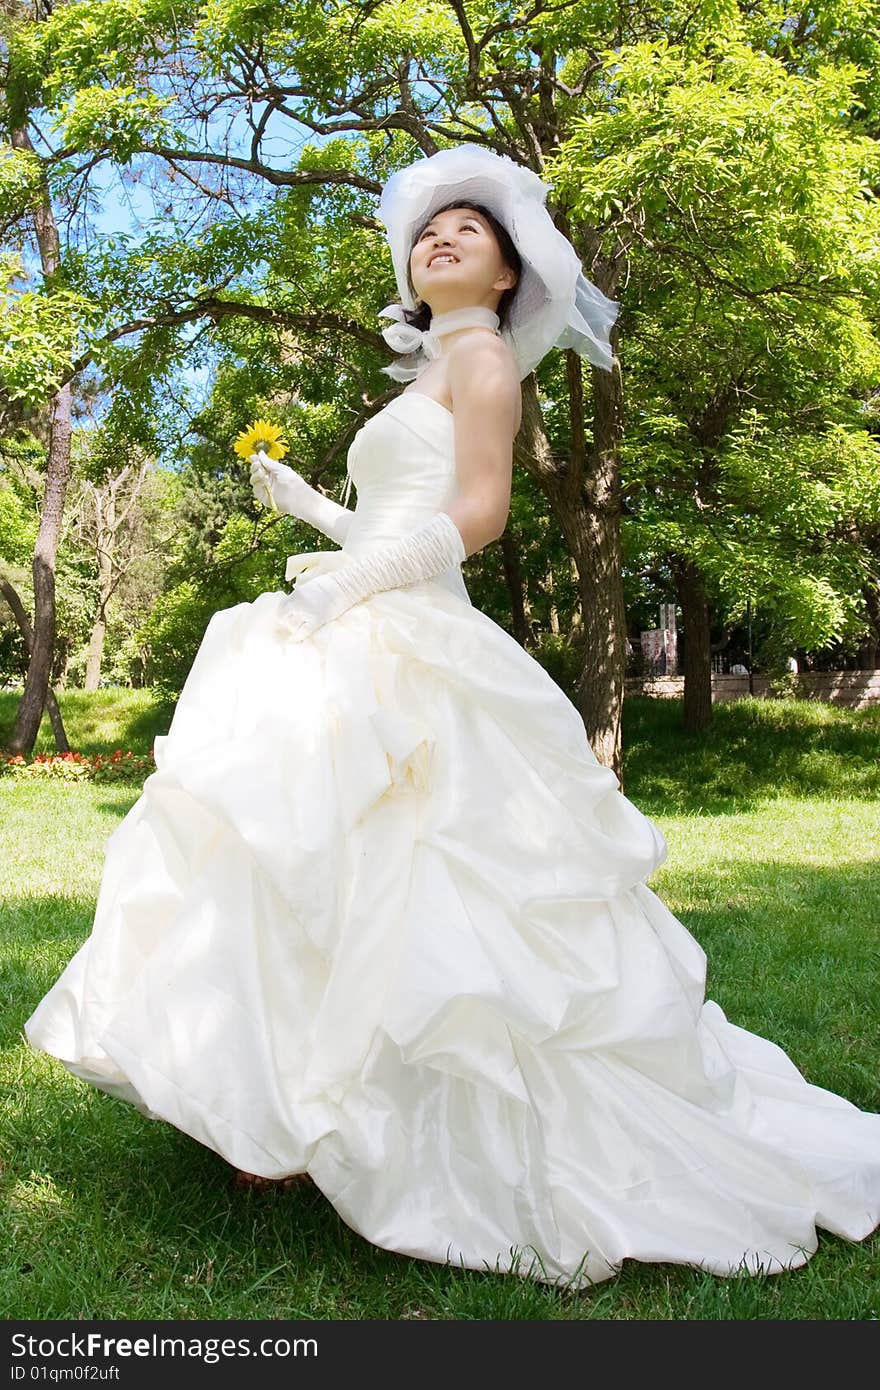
(452, 323)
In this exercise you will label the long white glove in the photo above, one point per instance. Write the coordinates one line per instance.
(285, 490)
(424, 553)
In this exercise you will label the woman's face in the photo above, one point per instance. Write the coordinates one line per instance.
(456, 262)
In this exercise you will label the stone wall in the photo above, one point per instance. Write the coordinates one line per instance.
(853, 688)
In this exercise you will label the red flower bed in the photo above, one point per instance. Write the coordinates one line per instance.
(122, 765)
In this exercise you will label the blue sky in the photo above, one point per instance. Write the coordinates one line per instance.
(120, 203)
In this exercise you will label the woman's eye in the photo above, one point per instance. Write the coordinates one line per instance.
(465, 227)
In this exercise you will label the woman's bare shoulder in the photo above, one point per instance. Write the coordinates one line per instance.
(485, 361)
(491, 347)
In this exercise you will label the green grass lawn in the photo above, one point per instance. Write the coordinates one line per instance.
(773, 822)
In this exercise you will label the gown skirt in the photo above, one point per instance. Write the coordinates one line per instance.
(380, 916)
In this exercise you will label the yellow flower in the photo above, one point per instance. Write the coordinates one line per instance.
(262, 434)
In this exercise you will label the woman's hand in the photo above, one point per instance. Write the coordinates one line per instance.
(277, 486)
(310, 607)
(287, 491)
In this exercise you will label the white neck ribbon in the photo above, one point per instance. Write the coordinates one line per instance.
(423, 344)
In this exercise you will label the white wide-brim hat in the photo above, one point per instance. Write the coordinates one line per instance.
(555, 304)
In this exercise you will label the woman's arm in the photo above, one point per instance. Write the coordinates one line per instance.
(487, 405)
(281, 487)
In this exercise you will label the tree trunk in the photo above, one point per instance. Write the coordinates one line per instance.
(554, 611)
(584, 495)
(107, 524)
(602, 680)
(697, 663)
(112, 508)
(36, 688)
(514, 579)
(33, 701)
(20, 614)
(867, 653)
(95, 653)
(576, 631)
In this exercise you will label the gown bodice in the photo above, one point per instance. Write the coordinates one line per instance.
(402, 463)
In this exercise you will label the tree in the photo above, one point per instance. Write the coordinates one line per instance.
(107, 514)
(750, 343)
(292, 286)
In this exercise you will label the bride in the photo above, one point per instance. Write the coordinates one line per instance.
(381, 920)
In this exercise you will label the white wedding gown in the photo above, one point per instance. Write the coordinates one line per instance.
(380, 916)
